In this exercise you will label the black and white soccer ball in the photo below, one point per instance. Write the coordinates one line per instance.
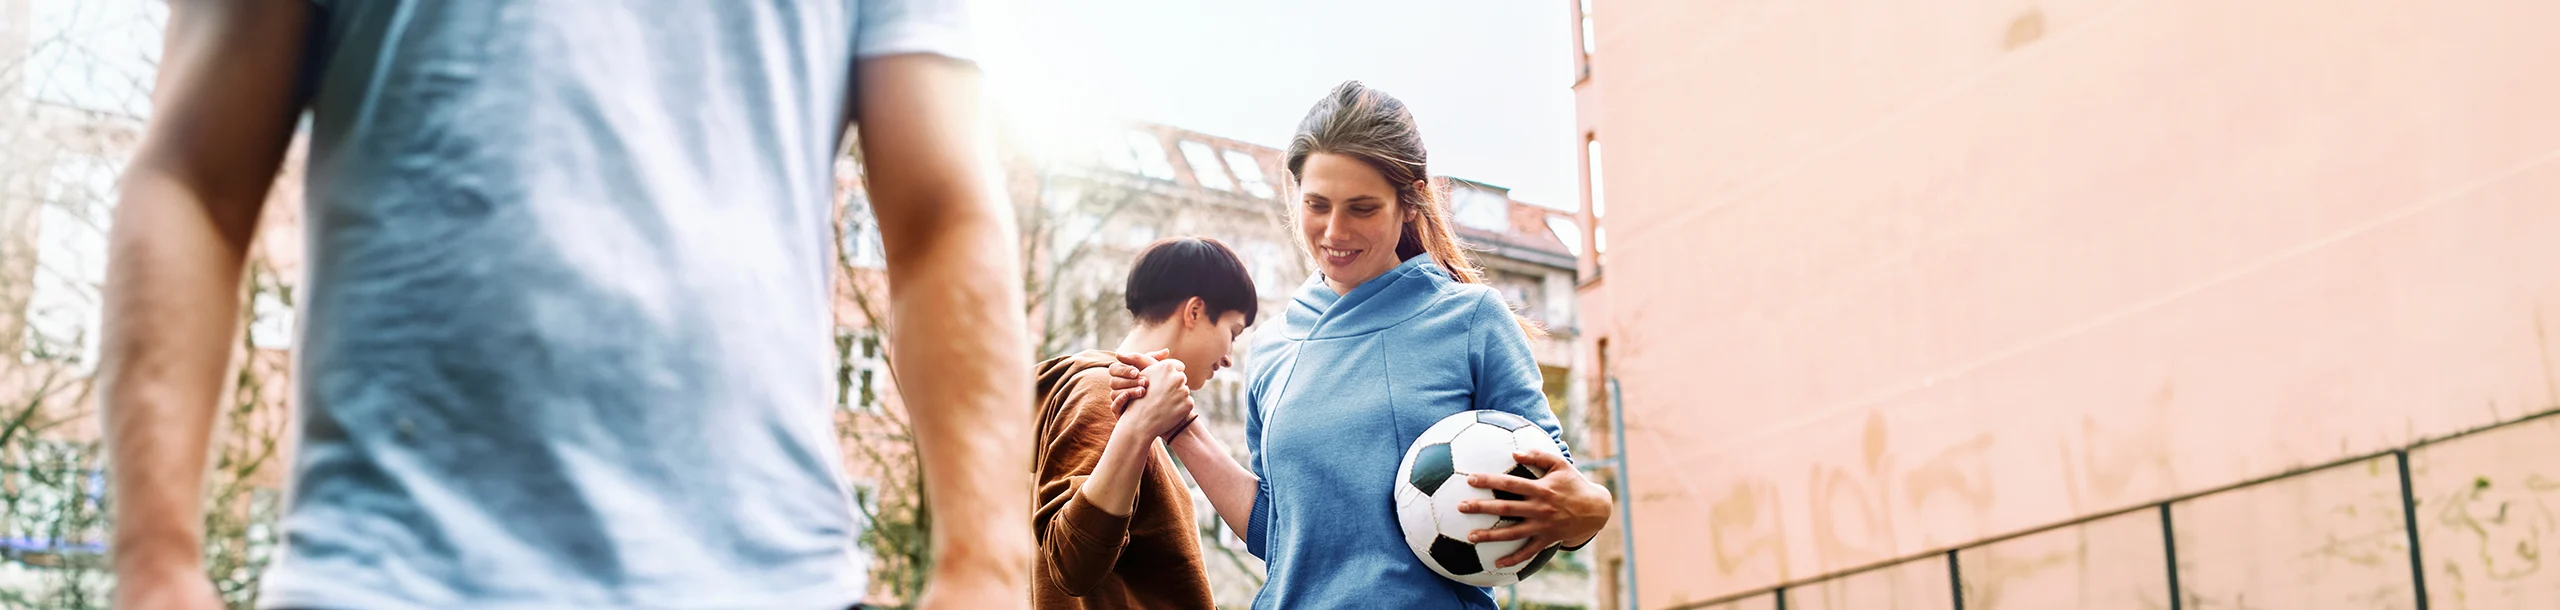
(1433, 481)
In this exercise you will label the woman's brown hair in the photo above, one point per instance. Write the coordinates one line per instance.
(1367, 124)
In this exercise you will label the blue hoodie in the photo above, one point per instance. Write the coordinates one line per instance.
(1336, 396)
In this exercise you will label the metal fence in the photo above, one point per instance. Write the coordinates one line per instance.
(2490, 491)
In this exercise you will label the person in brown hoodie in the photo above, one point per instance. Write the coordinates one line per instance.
(1113, 518)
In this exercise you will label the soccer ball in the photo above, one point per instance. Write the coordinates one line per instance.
(1433, 481)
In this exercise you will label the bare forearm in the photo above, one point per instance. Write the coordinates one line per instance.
(955, 283)
(958, 339)
(1113, 487)
(223, 111)
(1229, 485)
(171, 302)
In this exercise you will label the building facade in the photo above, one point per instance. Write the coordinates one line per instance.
(1998, 304)
(1087, 214)
(73, 119)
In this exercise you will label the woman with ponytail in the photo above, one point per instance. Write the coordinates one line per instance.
(1395, 332)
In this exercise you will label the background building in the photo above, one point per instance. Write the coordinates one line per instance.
(1086, 213)
(75, 78)
(2078, 304)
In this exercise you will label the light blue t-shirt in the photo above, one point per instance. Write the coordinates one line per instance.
(566, 333)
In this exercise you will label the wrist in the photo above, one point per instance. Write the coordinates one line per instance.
(1178, 429)
(1182, 442)
(980, 546)
(1598, 504)
(142, 561)
(981, 570)
(1129, 433)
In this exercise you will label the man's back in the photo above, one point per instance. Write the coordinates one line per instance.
(565, 334)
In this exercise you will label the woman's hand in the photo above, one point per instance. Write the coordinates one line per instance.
(1127, 383)
(1559, 508)
(1166, 406)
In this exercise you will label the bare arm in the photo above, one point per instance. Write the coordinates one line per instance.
(1229, 485)
(223, 113)
(956, 292)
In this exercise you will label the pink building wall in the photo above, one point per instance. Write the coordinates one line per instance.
(1887, 279)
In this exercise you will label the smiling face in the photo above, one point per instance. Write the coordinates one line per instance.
(1348, 214)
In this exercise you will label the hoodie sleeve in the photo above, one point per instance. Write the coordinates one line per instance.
(1257, 529)
(1079, 542)
(1506, 373)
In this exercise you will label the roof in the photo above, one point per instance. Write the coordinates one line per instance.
(1233, 167)
(1194, 159)
(1523, 231)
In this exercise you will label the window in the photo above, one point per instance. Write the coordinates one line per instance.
(1555, 381)
(1524, 293)
(1516, 295)
(272, 326)
(1205, 167)
(1249, 171)
(62, 314)
(1590, 39)
(861, 369)
(1566, 232)
(862, 236)
(1599, 199)
(1481, 208)
(1151, 158)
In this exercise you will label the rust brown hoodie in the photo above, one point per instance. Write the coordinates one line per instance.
(1088, 557)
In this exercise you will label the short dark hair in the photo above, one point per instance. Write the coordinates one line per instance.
(1173, 270)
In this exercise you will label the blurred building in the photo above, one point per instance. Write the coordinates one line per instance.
(2075, 304)
(1086, 213)
(73, 108)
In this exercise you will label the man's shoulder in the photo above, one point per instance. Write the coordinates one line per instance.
(1091, 379)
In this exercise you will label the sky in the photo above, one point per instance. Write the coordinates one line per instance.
(93, 54)
(1490, 80)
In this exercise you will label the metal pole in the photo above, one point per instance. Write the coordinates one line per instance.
(1626, 493)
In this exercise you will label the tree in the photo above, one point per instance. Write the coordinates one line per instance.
(1060, 310)
(53, 496)
(1067, 216)
(75, 81)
